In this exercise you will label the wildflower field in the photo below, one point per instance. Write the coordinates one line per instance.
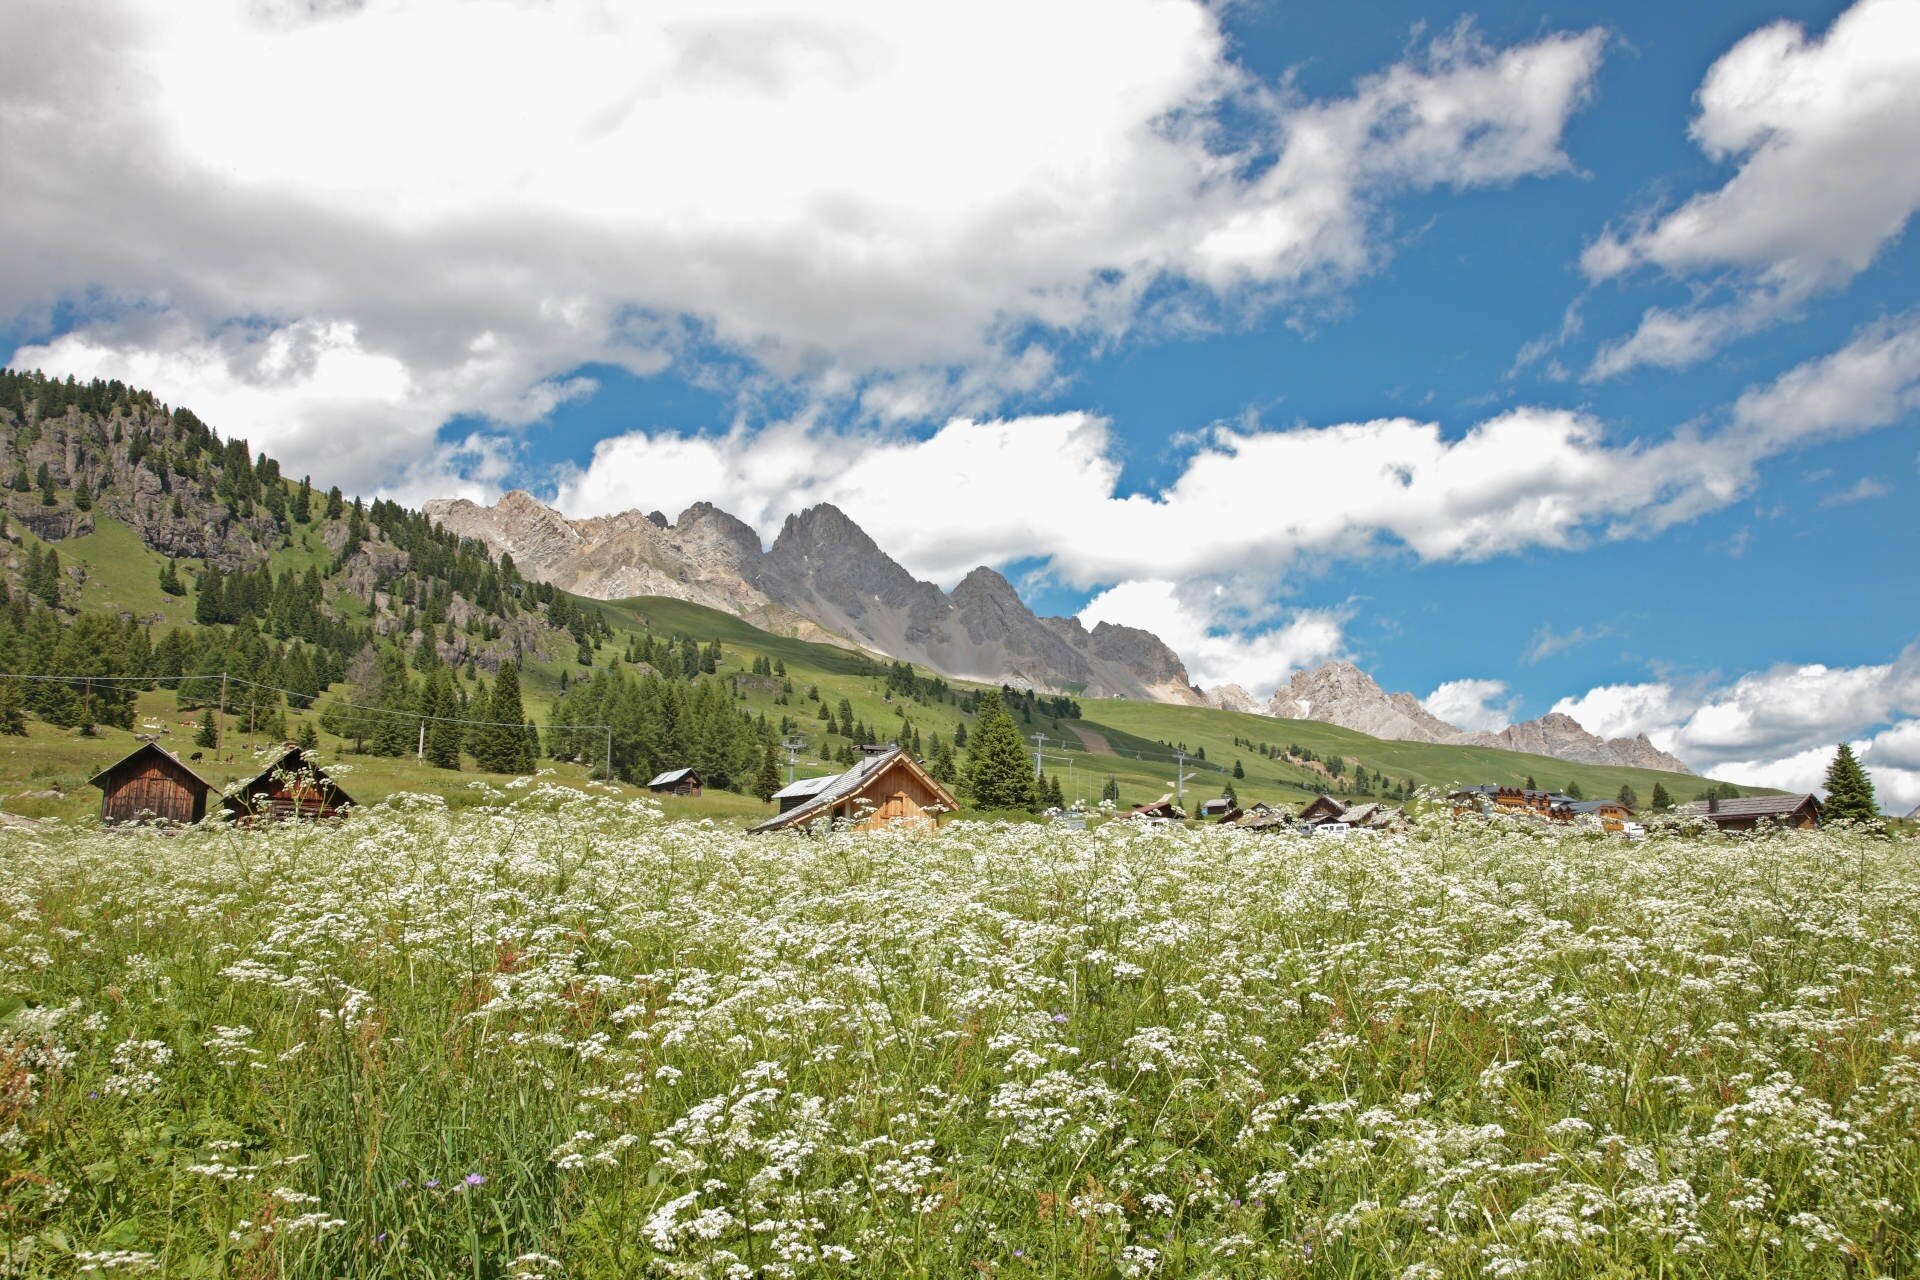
(556, 1035)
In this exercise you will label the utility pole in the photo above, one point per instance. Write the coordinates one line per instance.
(420, 752)
(220, 722)
(1180, 779)
(1039, 745)
(609, 755)
(793, 750)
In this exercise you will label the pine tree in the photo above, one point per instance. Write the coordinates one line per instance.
(1573, 789)
(208, 734)
(1232, 799)
(1661, 800)
(768, 780)
(13, 720)
(170, 579)
(443, 730)
(1111, 791)
(43, 480)
(1628, 797)
(1849, 790)
(503, 747)
(308, 738)
(1239, 770)
(998, 774)
(1531, 784)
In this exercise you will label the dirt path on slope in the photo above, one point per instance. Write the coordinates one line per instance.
(1093, 742)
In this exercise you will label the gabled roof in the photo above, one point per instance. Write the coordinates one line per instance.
(98, 779)
(804, 787)
(1750, 806)
(672, 776)
(1595, 806)
(1219, 804)
(292, 760)
(849, 785)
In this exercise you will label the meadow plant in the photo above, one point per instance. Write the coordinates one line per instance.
(555, 1035)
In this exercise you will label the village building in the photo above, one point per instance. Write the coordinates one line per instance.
(1744, 813)
(1220, 809)
(292, 787)
(151, 783)
(1320, 809)
(676, 782)
(1164, 809)
(1545, 804)
(886, 786)
(795, 794)
(1611, 814)
(1265, 817)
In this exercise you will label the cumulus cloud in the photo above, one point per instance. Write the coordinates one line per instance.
(1864, 489)
(1823, 131)
(899, 207)
(1776, 728)
(1196, 619)
(1474, 705)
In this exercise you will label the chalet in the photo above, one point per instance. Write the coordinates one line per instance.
(1612, 815)
(1320, 809)
(1163, 808)
(676, 782)
(885, 787)
(1220, 809)
(1264, 817)
(1747, 812)
(150, 782)
(293, 786)
(1545, 804)
(1371, 816)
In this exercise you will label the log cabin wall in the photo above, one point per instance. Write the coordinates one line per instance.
(149, 786)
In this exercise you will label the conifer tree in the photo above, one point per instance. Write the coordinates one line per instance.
(170, 579)
(1573, 789)
(768, 780)
(13, 719)
(504, 747)
(1661, 800)
(1849, 790)
(998, 774)
(443, 731)
(308, 738)
(43, 479)
(1628, 797)
(1111, 791)
(208, 734)
(1239, 770)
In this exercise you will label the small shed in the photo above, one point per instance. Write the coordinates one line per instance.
(1164, 807)
(149, 783)
(676, 782)
(882, 789)
(1220, 809)
(293, 786)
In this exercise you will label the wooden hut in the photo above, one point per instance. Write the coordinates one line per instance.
(1747, 812)
(293, 786)
(676, 782)
(886, 787)
(151, 783)
(1219, 809)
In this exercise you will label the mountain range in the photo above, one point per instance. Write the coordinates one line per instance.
(825, 578)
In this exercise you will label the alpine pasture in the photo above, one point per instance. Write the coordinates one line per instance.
(553, 1034)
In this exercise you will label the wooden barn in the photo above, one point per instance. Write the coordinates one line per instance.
(676, 782)
(1163, 808)
(1747, 812)
(151, 783)
(1219, 809)
(293, 786)
(886, 787)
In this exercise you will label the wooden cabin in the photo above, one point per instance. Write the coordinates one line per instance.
(151, 783)
(884, 788)
(676, 782)
(293, 786)
(798, 792)
(1320, 809)
(1747, 812)
(1220, 809)
(1163, 808)
(1613, 815)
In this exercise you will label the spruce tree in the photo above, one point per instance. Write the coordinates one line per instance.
(13, 719)
(208, 733)
(443, 730)
(998, 774)
(503, 747)
(1627, 797)
(1849, 790)
(1661, 800)
(768, 780)
(308, 739)
(1573, 789)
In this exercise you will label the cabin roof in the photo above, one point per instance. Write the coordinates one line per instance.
(99, 779)
(293, 759)
(801, 788)
(1751, 806)
(852, 783)
(1595, 806)
(672, 776)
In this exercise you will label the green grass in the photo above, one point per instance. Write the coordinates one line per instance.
(558, 1036)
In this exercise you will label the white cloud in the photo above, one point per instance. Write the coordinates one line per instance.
(1547, 642)
(1776, 728)
(1474, 705)
(1864, 489)
(874, 202)
(1824, 131)
(1189, 618)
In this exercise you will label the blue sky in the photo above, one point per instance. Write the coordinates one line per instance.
(1530, 356)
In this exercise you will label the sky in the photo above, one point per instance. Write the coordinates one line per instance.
(1532, 357)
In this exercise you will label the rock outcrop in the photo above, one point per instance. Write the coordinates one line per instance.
(1340, 693)
(824, 576)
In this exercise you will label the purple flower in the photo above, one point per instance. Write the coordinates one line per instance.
(432, 1183)
(381, 1238)
(1059, 1017)
(476, 1180)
